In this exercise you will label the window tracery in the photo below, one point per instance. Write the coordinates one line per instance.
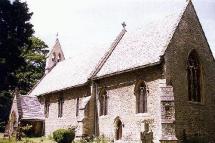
(193, 74)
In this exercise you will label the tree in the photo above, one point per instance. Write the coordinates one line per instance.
(35, 57)
(15, 30)
(22, 56)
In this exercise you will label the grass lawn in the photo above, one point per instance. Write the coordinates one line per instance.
(26, 140)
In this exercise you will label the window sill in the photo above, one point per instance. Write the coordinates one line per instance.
(142, 114)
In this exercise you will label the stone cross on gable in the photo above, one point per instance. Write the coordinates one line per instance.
(123, 25)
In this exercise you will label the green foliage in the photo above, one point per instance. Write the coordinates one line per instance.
(27, 140)
(5, 103)
(64, 135)
(15, 31)
(22, 56)
(100, 139)
(6, 141)
(50, 137)
(35, 57)
(25, 130)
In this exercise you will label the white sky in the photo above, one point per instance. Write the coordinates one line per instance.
(84, 24)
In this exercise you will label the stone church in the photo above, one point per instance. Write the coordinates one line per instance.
(154, 84)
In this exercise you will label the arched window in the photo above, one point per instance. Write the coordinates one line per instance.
(103, 102)
(59, 57)
(118, 129)
(141, 97)
(53, 57)
(193, 75)
(60, 106)
(47, 104)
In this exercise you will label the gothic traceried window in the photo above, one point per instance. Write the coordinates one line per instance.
(103, 102)
(47, 104)
(60, 106)
(141, 97)
(193, 75)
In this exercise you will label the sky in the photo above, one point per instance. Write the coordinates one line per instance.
(84, 24)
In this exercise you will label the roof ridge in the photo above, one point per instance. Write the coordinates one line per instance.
(180, 15)
(108, 53)
(168, 36)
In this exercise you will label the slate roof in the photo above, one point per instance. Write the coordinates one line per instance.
(29, 108)
(141, 47)
(69, 73)
(131, 50)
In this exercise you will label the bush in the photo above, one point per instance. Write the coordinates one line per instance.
(64, 135)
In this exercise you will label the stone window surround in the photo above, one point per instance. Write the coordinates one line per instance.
(194, 79)
(60, 105)
(137, 93)
(103, 102)
(47, 106)
(118, 128)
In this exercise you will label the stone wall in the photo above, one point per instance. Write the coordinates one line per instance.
(122, 104)
(69, 118)
(185, 118)
(192, 118)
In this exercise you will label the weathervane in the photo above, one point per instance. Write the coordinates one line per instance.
(123, 25)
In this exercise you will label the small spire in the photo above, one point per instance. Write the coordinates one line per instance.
(123, 25)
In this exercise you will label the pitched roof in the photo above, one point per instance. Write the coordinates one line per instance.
(29, 108)
(143, 46)
(130, 50)
(69, 73)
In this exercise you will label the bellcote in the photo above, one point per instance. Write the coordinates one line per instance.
(56, 55)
